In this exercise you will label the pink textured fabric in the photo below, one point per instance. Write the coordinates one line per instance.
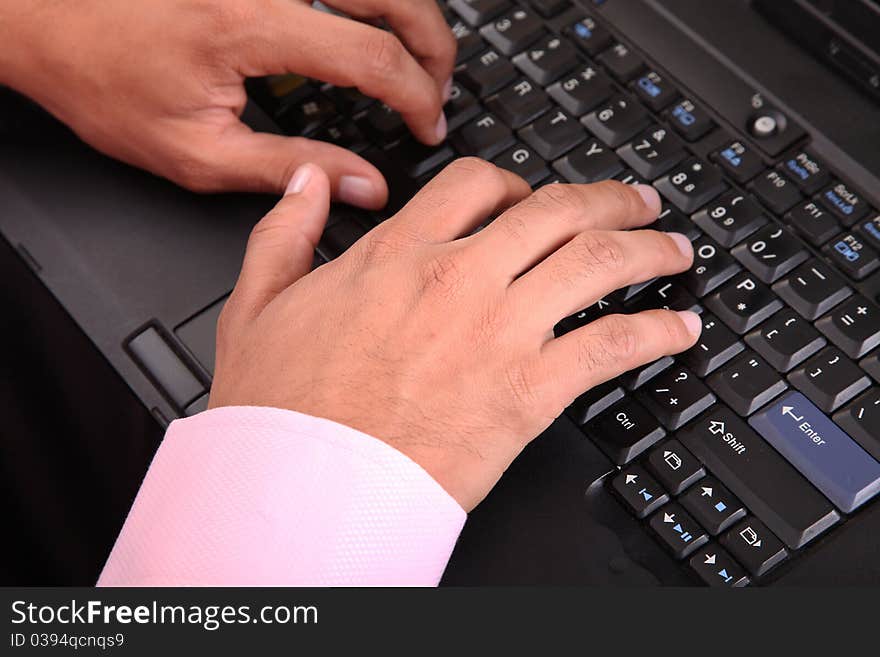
(246, 496)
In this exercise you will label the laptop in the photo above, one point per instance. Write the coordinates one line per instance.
(752, 459)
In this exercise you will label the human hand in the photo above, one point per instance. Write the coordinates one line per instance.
(440, 343)
(159, 83)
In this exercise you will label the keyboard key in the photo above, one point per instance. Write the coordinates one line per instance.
(829, 379)
(813, 222)
(747, 383)
(823, 453)
(477, 12)
(673, 221)
(383, 124)
(636, 378)
(653, 90)
(624, 431)
(486, 73)
(461, 107)
(812, 289)
(712, 505)
(553, 135)
(776, 191)
(603, 307)
(739, 161)
(417, 159)
(519, 104)
(640, 491)
(743, 303)
(854, 326)
(759, 476)
(785, 340)
(653, 152)
(677, 530)
(850, 254)
(844, 203)
(621, 62)
(524, 162)
(861, 420)
(731, 218)
(469, 42)
(630, 177)
(754, 546)
(871, 364)
(676, 396)
(806, 170)
(589, 163)
(691, 185)
(690, 120)
(594, 401)
(589, 36)
(712, 267)
(666, 294)
(547, 60)
(717, 568)
(616, 120)
(870, 229)
(771, 253)
(484, 136)
(581, 91)
(512, 32)
(348, 100)
(674, 466)
(717, 345)
(344, 134)
(550, 8)
(308, 115)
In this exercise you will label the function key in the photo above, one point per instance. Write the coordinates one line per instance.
(813, 222)
(691, 184)
(514, 31)
(625, 430)
(854, 326)
(717, 568)
(731, 218)
(520, 103)
(677, 530)
(771, 253)
(806, 170)
(743, 303)
(690, 120)
(469, 42)
(713, 506)
(524, 162)
(487, 73)
(776, 191)
(616, 120)
(554, 134)
(653, 152)
(639, 490)
(829, 379)
(590, 37)
(477, 12)
(846, 204)
(739, 161)
(813, 289)
(870, 228)
(550, 8)
(653, 90)
(581, 91)
(674, 466)
(754, 546)
(852, 256)
(548, 59)
(589, 163)
(621, 62)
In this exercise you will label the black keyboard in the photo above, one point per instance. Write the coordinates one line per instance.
(742, 451)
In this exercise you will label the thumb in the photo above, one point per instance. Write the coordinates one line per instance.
(281, 247)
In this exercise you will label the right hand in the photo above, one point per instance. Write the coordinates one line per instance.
(438, 341)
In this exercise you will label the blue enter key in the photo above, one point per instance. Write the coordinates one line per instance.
(824, 454)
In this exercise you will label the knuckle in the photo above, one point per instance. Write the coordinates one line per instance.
(616, 342)
(384, 53)
(557, 197)
(442, 276)
(595, 252)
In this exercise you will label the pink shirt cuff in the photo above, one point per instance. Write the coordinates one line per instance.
(247, 496)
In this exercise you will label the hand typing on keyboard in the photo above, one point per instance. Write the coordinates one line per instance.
(160, 83)
(439, 340)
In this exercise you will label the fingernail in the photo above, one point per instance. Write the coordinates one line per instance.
(691, 321)
(355, 190)
(683, 243)
(447, 91)
(649, 196)
(299, 180)
(441, 128)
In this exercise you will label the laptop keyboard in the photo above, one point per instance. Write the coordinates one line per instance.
(764, 436)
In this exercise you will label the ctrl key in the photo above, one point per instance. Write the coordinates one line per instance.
(640, 491)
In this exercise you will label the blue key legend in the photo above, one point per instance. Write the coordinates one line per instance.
(823, 453)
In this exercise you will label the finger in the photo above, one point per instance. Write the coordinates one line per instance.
(420, 26)
(460, 198)
(243, 160)
(594, 264)
(554, 214)
(608, 347)
(281, 247)
(347, 53)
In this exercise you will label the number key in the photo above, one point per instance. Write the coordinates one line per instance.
(692, 184)
(771, 253)
(731, 218)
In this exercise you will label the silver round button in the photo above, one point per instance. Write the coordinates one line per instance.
(764, 126)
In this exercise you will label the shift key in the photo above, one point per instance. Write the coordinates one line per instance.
(834, 462)
(759, 476)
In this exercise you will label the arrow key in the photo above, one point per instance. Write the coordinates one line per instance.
(677, 530)
(713, 506)
(639, 491)
(754, 546)
(717, 568)
(675, 467)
